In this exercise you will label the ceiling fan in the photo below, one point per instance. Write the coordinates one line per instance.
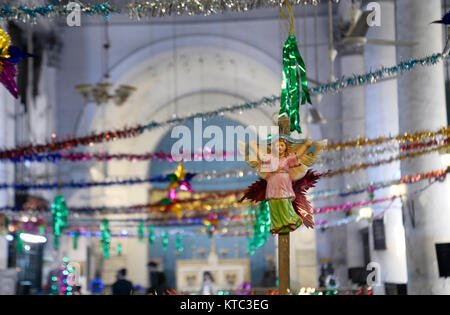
(356, 34)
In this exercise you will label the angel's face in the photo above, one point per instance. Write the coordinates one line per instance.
(281, 148)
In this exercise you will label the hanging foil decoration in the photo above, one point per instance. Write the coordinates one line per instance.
(105, 237)
(294, 71)
(141, 231)
(165, 240)
(211, 224)
(30, 12)
(151, 235)
(19, 243)
(9, 57)
(75, 239)
(59, 214)
(179, 245)
(178, 180)
(42, 228)
(140, 9)
(261, 227)
(119, 249)
(250, 246)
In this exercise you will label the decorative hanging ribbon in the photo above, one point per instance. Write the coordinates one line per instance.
(141, 230)
(105, 237)
(179, 244)
(19, 243)
(59, 214)
(290, 87)
(151, 235)
(165, 240)
(250, 245)
(261, 226)
(75, 239)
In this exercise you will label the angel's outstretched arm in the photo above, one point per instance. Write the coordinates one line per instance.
(302, 149)
(250, 152)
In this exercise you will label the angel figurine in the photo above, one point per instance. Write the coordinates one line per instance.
(285, 178)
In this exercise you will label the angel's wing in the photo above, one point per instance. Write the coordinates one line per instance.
(255, 192)
(307, 158)
(300, 203)
(250, 152)
(313, 153)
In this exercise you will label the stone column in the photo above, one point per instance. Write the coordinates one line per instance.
(353, 125)
(422, 105)
(303, 262)
(352, 105)
(43, 108)
(382, 119)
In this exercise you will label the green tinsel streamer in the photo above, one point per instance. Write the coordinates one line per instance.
(178, 243)
(105, 237)
(119, 249)
(30, 13)
(75, 240)
(151, 235)
(290, 86)
(165, 240)
(251, 248)
(19, 243)
(141, 231)
(60, 214)
(261, 227)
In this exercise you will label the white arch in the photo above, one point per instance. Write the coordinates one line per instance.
(252, 76)
(127, 68)
(141, 55)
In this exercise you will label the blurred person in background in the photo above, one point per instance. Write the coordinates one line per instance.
(208, 284)
(122, 286)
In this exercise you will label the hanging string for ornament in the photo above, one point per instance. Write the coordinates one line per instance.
(294, 72)
(60, 214)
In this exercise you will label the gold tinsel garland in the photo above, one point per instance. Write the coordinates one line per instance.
(406, 137)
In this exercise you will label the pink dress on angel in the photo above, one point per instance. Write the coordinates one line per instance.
(279, 182)
(280, 193)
